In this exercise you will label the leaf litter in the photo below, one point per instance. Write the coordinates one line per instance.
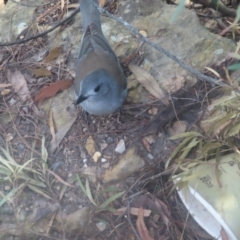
(52, 90)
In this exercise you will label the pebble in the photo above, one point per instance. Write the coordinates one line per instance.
(101, 226)
(120, 147)
(150, 156)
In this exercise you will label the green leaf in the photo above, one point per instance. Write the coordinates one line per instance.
(10, 194)
(189, 147)
(39, 191)
(8, 156)
(177, 150)
(23, 166)
(223, 121)
(111, 199)
(234, 131)
(7, 164)
(235, 66)
(86, 190)
(186, 134)
(89, 194)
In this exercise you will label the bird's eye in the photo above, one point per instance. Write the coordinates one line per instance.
(97, 88)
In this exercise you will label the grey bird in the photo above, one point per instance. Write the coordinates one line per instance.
(100, 85)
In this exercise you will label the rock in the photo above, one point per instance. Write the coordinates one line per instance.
(150, 156)
(187, 39)
(18, 21)
(101, 226)
(127, 165)
(120, 147)
(103, 160)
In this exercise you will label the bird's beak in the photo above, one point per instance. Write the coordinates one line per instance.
(80, 99)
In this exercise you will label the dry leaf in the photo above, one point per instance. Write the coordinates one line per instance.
(4, 85)
(153, 111)
(61, 134)
(102, 2)
(73, 5)
(5, 92)
(144, 33)
(96, 156)
(149, 82)
(141, 227)
(19, 85)
(9, 137)
(51, 125)
(146, 144)
(90, 146)
(133, 211)
(162, 210)
(173, 86)
(53, 54)
(60, 179)
(41, 72)
(62, 4)
(52, 90)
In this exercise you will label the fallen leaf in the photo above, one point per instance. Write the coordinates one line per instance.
(96, 156)
(90, 146)
(60, 179)
(61, 134)
(149, 82)
(153, 111)
(144, 33)
(177, 128)
(9, 137)
(5, 92)
(51, 126)
(19, 85)
(150, 139)
(146, 144)
(4, 85)
(162, 210)
(62, 4)
(41, 72)
(157, 206)
(173, 85)
(133, 211)
(102, 2)
(141, 227)
(53, 54)
(52, 90)
(73, 5)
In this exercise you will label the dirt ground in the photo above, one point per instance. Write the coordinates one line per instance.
(56, 193)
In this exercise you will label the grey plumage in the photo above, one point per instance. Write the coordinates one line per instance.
(100, 85)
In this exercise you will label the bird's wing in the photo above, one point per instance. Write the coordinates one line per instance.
(94, 41)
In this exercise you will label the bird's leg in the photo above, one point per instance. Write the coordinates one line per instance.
(84, 115)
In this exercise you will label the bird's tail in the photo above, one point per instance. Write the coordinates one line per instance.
(90, 14)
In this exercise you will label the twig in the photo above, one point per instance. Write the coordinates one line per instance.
(160, 49)
(43, 33)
